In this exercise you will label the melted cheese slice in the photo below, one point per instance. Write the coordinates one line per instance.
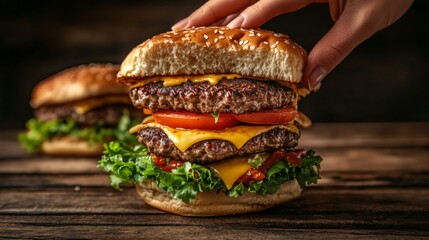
(89, 104)
(301, 91)
(238, 135)
(176, 80)
(231, 170)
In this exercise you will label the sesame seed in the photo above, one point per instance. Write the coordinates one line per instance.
(293, 46)
(221, 37)
(192, 31)
(175, 33)
(245, 42)
(216, 30)
(216, 40)
(287, 42)
(241, 42)
(221, 32)
(276, 35)
(208, 44)
(265, 42)
(206, 37)
(273, 46)
(258, 34)
(230, 37)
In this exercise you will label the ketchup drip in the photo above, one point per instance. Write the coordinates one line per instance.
(253, 174)
(167, 167)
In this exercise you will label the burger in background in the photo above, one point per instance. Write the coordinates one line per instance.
(77, 111)
(224, 124)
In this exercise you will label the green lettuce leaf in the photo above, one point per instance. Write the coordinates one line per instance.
(282, 172)
(39, 131)
(133, 165)
(215, 116)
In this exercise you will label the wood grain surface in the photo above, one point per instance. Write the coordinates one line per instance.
(375, 186)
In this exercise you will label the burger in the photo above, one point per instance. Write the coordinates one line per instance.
(223, 127)
(77, 111)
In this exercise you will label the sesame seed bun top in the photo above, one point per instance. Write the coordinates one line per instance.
(213, 50)
(78, 83)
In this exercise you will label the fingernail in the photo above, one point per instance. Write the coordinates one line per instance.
(316, 76)
(181, 24)
(236, 23)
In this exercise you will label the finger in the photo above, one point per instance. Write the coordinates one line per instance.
(225, 20)
(229, 18)
(211, 12)
(350, 30)
(336, 7)
(264, 10)
(357, 21)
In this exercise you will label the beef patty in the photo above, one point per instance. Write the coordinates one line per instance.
(109, 114)
(228, 96)
(158, 143)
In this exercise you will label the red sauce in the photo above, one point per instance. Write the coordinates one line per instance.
(293, 158)
(167, 166)
(252, 174)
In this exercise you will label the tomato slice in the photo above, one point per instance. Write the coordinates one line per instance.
(190, 120)
(277, 116)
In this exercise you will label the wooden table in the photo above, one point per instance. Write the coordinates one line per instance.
(375, 185)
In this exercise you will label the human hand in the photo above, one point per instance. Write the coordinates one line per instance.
(355, 21)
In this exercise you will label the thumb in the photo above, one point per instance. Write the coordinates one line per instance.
(349, 31)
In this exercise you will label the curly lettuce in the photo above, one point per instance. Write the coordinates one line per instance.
(129, 165)
(39, 131)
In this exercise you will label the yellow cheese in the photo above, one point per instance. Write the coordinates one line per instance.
(231, 170)
(84, 106)
(238, 135)
(176, 80)
(300, 91)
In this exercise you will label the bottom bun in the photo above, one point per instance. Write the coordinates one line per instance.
(69, 146)
(216, 204)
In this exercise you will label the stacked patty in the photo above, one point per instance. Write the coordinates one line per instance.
(237, 96)
(108, 114)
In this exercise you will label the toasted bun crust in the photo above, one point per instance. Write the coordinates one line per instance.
(78, 83)
(212, 50)
(68, 146)
(216, 204)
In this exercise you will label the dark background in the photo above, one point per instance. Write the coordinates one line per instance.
(384, 79)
